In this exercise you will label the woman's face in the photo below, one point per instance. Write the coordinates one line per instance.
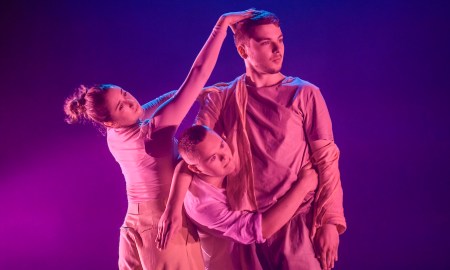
(124, 109)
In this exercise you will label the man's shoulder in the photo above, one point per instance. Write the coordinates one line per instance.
(224, 87)
(219, 92)
(299, 83)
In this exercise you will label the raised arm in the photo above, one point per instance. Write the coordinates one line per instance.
(175, 109)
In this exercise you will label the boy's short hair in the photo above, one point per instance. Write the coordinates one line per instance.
(190, 138)
(242, 28)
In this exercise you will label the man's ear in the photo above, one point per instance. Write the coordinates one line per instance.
(242, 52)
(194, 168)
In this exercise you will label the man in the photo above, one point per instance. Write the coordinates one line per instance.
(275, 124)
(210, 159)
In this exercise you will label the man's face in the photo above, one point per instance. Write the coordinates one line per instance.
(214, 156)
(265, 48)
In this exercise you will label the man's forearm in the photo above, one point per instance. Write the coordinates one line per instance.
(329, 196)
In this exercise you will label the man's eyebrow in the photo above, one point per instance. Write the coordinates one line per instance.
(266, 38)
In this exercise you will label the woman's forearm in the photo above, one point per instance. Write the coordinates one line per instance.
(174, 111)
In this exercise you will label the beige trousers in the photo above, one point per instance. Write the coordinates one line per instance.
(137, 247)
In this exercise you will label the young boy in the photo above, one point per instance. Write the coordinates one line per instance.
(209, 157)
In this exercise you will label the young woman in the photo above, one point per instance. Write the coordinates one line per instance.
(141, 140)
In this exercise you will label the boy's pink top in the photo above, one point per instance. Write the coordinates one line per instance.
(208, 207)
(147, 172)
(219, 226)
(268, 130)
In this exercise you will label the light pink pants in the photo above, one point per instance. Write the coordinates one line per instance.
(137, 247)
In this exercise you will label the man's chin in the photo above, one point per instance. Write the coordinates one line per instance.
(273, 70)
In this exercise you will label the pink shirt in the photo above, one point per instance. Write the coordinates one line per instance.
(280, 121)
(146, 161)
(218, 225)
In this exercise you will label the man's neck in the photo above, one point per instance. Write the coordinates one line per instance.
(257, 80)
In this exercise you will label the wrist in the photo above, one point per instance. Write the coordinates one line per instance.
(172, 207)
(222, 22)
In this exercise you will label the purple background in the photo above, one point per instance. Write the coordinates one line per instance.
(383, 68)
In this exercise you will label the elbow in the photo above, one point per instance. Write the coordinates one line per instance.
(199, 71)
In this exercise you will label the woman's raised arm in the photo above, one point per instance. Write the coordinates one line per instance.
(172, 112)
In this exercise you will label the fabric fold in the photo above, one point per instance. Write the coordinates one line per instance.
(328, 207)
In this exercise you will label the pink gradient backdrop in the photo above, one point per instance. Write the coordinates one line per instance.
(383, 68)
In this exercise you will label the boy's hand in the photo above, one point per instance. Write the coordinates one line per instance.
(169, 224)
(308, 178)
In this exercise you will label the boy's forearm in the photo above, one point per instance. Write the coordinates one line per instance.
(180, 184)
(283, 210)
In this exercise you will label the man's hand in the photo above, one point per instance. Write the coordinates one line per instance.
(326, 243)
(169, 224)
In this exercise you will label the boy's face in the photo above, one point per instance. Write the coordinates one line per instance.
(214, 156)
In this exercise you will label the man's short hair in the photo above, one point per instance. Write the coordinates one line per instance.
(242, 28)
(190, 138)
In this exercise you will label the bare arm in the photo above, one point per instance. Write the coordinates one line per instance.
(174, 110)
(171, 220)
(282, 211)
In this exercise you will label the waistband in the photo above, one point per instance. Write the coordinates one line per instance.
(145, 207)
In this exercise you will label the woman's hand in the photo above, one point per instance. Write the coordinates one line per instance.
(232, 18)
